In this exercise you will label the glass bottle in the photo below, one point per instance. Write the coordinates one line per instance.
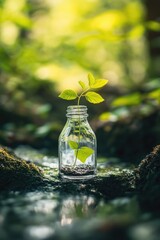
(77, 146)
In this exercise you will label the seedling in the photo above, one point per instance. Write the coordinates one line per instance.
(89, 92)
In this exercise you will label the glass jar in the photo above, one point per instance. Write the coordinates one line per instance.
(77, 146)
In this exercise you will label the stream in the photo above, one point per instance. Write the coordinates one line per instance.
(50, 214)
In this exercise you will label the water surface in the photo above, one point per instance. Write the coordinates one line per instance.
(50, 214)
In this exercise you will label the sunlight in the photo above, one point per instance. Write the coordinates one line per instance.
(63, 77)
(9, 33)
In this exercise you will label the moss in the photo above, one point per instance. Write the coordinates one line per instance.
(148, 180)
(110, 184)
(16, 173)
(116, 182)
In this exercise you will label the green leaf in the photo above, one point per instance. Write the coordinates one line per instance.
(68, 94)
(154, 94)
(83, 153)
(99, 83)
(91, 79)
(154, 26)
(73, 145)
(93, 97)
(128, 100)
(82, 84)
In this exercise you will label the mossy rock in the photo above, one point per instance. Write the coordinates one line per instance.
(16, 173)
(148, 180)
(112, 183)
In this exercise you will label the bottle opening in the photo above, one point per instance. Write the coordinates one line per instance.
(76, 110)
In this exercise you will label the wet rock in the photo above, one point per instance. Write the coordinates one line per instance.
(148, 180)
(115, 182)
(109, 184)
(16, 173)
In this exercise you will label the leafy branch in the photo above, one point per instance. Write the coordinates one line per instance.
(87, 91)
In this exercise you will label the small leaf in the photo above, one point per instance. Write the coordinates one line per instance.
(82, 84)
(93, 97)
(68, 94)
(128, 100)
(155, 94)
(91, 79)
(99, 83)
(73, 145)
(83, 153)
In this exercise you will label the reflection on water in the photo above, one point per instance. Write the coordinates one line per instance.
(51, 214)
(38, 232)
(39, 215)
(79, 207)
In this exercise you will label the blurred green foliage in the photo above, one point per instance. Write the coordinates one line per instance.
(48, 45)
(62, 40)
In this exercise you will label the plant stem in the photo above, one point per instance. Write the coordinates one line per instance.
(78, 103)
(82, 94)
(79, 130)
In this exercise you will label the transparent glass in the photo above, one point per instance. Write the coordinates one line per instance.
(77, 146)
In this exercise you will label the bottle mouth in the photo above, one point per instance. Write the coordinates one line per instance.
(77, 110)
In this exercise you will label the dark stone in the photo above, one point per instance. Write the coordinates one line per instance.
(148, 180)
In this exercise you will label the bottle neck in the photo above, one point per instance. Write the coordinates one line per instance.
(77, 111)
